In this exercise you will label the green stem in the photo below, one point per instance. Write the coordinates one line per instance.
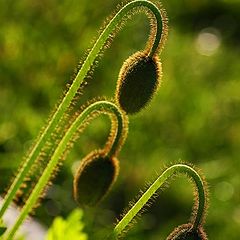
(116, 142)
(159, 32)
(178, 168)
(101, 107)
(111, 27)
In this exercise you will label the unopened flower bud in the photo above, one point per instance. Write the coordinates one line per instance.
(187, 232)
(138, 80)
(94, 178)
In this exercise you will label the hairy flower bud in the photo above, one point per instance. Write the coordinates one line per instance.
(94, 178)
(187, 232)
(138, 80)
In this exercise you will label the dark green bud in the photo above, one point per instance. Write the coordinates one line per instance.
(138, 80)
(187, 232)
(95, 176)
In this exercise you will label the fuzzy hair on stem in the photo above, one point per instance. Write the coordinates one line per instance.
(100, 43)
(102, 106)
(201, 200)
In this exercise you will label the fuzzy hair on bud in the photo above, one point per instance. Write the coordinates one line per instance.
(187, 232)
(138, 80)
(94, 178)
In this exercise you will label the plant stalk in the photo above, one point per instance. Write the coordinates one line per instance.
(99, 44)
(102, 107)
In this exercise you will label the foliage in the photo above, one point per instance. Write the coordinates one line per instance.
(69, 229)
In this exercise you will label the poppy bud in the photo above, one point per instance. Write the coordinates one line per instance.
(138, 80)
(94, 178)
(187, 232)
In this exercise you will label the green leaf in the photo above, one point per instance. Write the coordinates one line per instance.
(69, 229)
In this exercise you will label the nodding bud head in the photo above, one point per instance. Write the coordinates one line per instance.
(138, 80)
(94, 178)
(187, 232)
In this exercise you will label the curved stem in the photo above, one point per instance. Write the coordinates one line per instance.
(115, 142)
(178, 168)
(158, 32)
(102, 107)
(113, 24)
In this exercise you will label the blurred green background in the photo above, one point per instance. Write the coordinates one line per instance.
(194, 118)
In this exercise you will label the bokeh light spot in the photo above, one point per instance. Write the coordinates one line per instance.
(208, 41)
